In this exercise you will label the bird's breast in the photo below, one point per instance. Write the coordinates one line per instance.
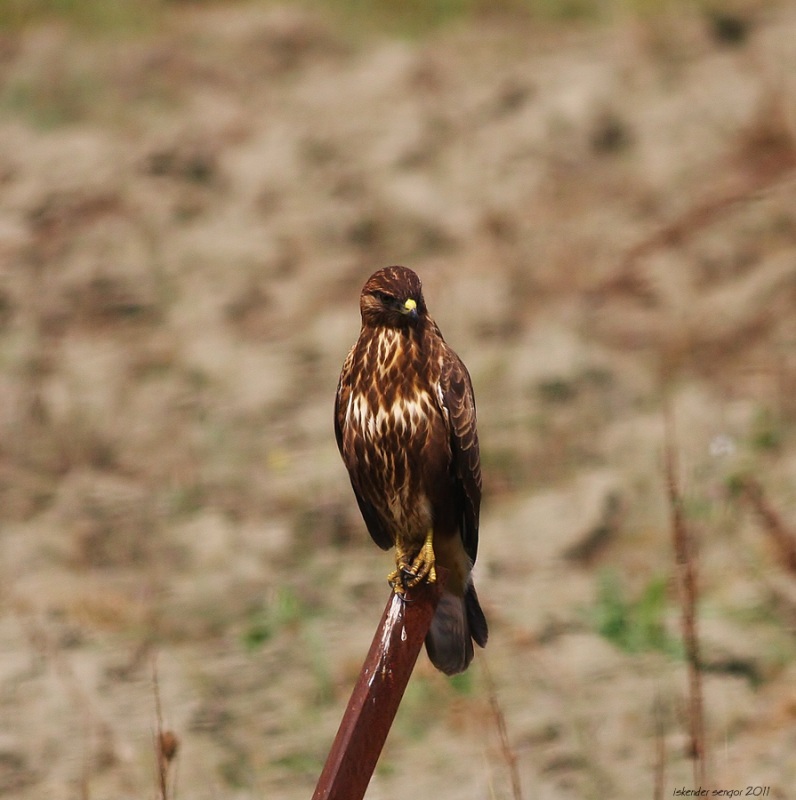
(400, 420)
(395, 439)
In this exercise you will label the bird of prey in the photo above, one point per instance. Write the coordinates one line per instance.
(406, 429)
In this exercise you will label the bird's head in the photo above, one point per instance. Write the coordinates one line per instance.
(392, 297)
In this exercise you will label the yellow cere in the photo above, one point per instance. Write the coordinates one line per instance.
(410, 305)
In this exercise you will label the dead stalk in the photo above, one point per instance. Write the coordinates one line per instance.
(782, 535)
(688, 591)
(166, 741)
(660, 749)
(506, 750)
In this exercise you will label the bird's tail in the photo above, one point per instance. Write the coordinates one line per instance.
(457, 622)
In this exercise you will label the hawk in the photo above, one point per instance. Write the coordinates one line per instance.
(405, 426)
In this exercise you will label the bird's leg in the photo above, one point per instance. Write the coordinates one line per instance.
(423, 566)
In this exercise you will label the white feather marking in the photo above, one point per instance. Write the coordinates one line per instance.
(380, 421)
(441, 400)
(399, 417)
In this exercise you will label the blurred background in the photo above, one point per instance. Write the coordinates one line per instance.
(600, 198)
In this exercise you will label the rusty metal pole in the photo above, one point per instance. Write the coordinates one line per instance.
(378, 692)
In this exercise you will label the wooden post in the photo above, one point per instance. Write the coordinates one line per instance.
(378, 692)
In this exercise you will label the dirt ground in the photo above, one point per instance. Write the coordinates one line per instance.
(604, 219)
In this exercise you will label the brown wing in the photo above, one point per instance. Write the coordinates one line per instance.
(377, 531)
(458, 402)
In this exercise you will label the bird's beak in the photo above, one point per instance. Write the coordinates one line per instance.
(410, 308)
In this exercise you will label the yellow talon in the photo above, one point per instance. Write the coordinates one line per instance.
(405, 575)
(395, 580)
(396, 577)
(423, 567)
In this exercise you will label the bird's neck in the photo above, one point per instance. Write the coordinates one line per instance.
(382, 347)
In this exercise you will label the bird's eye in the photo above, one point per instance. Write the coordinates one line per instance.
(385, 298)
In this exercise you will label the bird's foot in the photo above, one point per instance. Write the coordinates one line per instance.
(423, 568)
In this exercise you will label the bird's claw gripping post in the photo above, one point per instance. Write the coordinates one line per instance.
(422, 568)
